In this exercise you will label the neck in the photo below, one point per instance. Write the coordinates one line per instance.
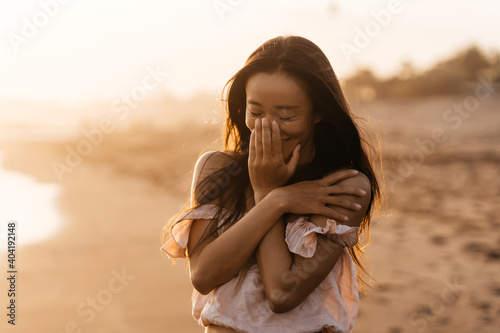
(308, 157)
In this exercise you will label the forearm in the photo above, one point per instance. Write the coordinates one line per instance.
(283, 276)
(274, 259)
(289, 278)
(224, 257)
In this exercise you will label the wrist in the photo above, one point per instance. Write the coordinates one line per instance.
(260, 194)
(258, 197)
(278, 200)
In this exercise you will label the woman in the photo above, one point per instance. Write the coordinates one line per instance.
(271, 233)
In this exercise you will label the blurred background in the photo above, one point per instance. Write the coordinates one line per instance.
(105, 107)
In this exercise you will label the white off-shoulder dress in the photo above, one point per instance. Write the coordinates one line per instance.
(241, 303)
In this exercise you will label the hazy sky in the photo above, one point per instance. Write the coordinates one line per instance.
(86, 50)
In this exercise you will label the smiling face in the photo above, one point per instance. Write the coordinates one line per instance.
(278, 97)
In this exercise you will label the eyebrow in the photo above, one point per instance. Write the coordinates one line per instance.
(283, 107)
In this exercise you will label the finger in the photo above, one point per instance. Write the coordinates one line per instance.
(292, 164)
(276, 138)
(266, 139)
(333, 214)
(344, 203)
(337, 176)
(258, 139)
(345, 189)
(251, 151)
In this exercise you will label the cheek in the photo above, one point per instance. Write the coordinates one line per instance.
(295, 129)
(250, 122)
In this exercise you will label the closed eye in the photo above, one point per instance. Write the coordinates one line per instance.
(285, 118)
(255, 114)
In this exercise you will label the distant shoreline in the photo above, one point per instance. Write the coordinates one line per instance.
(31, 204)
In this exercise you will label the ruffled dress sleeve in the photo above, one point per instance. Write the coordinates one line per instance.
(301, 235)
(176, 245)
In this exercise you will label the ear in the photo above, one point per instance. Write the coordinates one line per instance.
(317, 118)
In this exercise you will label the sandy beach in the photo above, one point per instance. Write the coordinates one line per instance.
(435, 250)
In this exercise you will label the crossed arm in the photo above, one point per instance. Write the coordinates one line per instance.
(288, 277)
(218, 259)
(286, 280)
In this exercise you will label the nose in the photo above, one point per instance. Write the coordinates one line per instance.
(271, 119)
(278, 123)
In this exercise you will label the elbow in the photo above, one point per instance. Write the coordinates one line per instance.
(201, 283)
(281, 301)
(201, 288)
(279, 308)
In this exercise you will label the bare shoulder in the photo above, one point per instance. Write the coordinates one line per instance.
(212, 161)
(360, 181)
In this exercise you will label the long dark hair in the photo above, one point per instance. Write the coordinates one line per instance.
(338, 141)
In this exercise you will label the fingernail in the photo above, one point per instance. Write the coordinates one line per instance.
(355, 172)
(357, 206)
(275, 123)
(346, 218)
(362, 192)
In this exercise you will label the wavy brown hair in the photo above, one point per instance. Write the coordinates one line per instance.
(339, 143)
